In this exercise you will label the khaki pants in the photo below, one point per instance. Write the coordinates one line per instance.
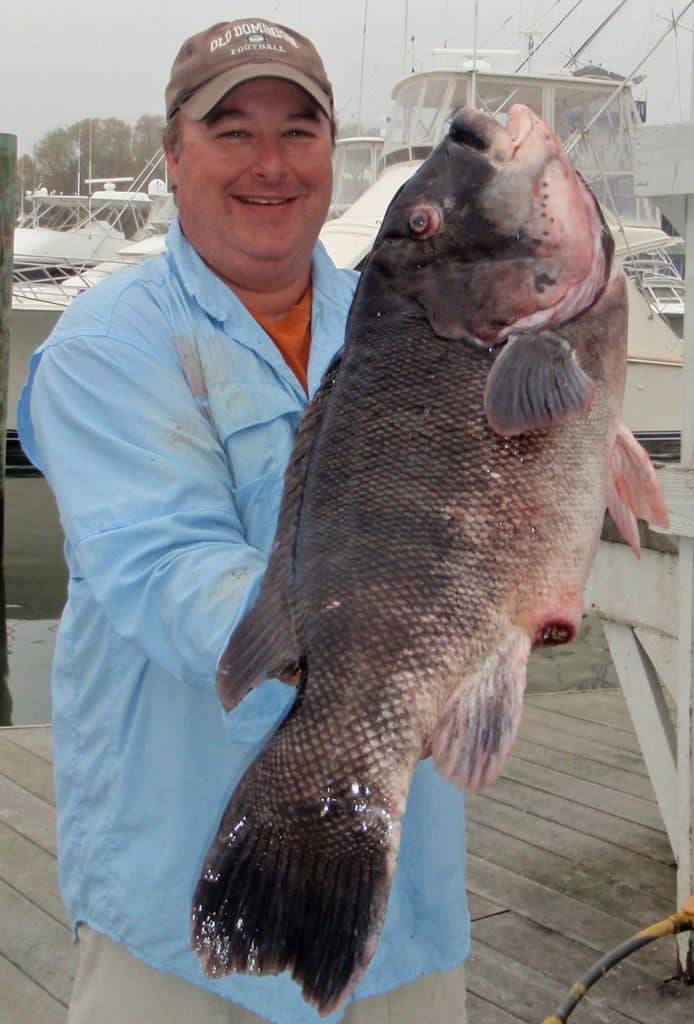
(113, 987)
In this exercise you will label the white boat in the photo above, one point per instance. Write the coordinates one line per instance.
(355, 168)
(59, 234)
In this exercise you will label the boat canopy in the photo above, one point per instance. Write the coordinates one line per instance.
(424, 104)
(355, 167)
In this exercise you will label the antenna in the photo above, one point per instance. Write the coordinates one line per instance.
(584, 46)
(473, 82)
(530, 34)
(361, 76)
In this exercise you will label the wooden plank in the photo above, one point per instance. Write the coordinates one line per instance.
(36, 738)
(571, 917)
(521, 991)
(535, 731)
(631, 591)
(32, 872)
(601, 707)
(25, 1002)
(606, 735)
(27, 814)
(662, 650)
(37, 944)
(626, 988)
(683, 841)
(27, 769)
(652, 720)
(600, 888)
(589, 794)
(480, 908)
(619, 831)
(597, 858)
(584, 768)
(479, 1011)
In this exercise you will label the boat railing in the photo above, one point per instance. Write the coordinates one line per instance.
(55, 284)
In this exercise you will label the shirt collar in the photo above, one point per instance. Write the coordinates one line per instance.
(218, 300)
(332, 295)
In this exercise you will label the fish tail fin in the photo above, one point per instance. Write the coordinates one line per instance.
(480, 721)
(633, 489)
(295, 887)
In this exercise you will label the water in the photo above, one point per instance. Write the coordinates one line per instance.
(36, 580)
(35, 587)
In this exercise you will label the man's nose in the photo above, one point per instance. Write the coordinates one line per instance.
(269, 160)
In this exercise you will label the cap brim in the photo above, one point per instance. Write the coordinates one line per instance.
(208, 95)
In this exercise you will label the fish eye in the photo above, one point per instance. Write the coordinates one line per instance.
(425, 221)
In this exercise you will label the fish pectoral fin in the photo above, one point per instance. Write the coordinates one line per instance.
(262, 646)
(535, 383)
(480, 721)
(633, 489)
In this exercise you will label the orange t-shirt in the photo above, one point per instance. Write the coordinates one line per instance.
(292, 335)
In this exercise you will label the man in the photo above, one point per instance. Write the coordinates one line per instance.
(162, 411)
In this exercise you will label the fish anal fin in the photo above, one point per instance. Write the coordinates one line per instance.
(633, 489)
(480, 721)
(535, 383)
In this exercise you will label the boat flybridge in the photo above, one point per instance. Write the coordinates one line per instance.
(58, 235)
(594, 114)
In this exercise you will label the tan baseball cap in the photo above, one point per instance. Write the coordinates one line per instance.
(211, 63)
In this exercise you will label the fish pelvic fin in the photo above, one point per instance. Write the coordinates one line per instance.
(263, 645)
(303, 889)
(535, 383)
(633, 489)
(480, 721)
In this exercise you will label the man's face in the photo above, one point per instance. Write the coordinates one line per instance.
(253, 183)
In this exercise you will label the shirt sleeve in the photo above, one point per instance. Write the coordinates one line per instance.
(144, 492)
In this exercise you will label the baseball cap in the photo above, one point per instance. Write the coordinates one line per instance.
(212, 62)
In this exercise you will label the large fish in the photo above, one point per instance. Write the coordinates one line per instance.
(441, 511)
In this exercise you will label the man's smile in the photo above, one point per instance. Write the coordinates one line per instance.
(266, 201)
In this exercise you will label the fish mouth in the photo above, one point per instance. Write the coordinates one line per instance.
(535, 197)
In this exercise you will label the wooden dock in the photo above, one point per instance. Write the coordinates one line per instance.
(568, 857)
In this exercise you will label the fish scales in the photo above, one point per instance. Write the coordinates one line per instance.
(441, 511)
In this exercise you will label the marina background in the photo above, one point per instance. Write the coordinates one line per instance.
(78, 64)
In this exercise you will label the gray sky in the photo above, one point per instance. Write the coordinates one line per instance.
(85, 58)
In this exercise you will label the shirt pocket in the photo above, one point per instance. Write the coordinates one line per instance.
(257, 429)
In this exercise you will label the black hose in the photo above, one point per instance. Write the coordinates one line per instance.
(672, 925)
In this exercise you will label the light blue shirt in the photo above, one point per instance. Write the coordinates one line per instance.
(163, 416)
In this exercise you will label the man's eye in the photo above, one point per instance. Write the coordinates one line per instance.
(232, 133)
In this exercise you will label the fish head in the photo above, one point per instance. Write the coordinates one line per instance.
(495, 233)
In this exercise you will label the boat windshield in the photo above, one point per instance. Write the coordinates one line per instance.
(354, 170)
(604, 153)
(425, 103)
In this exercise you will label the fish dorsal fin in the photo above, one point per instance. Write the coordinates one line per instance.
(479, 723)
(633, 489)
(265, 643)
(535, 383)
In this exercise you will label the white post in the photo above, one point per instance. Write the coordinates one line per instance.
(685, 696)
